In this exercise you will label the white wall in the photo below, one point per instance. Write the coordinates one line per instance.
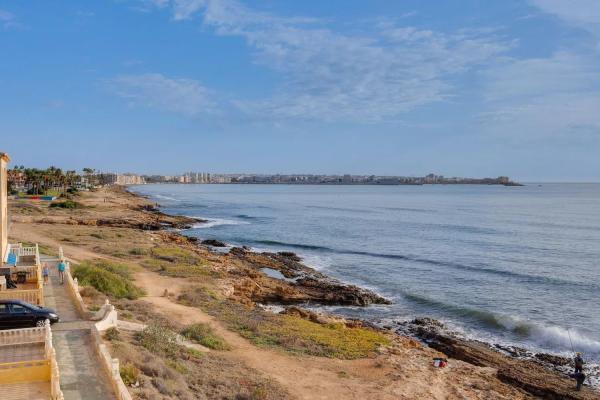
(3, 205)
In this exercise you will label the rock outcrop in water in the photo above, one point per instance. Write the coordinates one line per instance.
(538, 375)
(213, 243)
(303, 284)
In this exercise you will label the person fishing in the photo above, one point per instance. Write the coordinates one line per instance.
(578, 361)
(579, 376)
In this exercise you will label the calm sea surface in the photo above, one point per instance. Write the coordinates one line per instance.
(516, 265)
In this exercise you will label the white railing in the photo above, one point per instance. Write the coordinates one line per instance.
(20, 251)
(29, 296)
(22, 336)
(32, 370)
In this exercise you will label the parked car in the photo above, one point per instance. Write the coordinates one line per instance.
(16, 314)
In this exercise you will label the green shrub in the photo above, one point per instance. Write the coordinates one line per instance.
(111, 334)
(129, 373)
(204, 335)
(291, 333)
(138, 251)
(110, 279)
(68, 204)
(159, 340)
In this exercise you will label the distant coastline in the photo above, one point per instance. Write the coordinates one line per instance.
(295, 179)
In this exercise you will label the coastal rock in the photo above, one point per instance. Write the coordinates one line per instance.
(290, 255)
(528, 375)
(213, 243)
(238, 251)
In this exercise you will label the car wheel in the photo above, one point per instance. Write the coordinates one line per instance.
(40, 323)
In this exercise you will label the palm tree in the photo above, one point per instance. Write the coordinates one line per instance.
(89, 173)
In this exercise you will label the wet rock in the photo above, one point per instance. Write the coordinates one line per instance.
(237, 251)
(553, 360)
(213, 243)
(290, 255)
(528, 375)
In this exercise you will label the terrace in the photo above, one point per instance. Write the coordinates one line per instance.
(22, 267)
(28, 364)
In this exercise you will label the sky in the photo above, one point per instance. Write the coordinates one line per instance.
(399, 87)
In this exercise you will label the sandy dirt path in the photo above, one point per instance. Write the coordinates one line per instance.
(321, 378)
(305, 377)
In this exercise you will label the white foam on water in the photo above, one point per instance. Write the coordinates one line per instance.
(160, 196)
(318, 263)
(212, 222)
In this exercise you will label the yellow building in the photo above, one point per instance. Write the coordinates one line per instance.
(3, 205)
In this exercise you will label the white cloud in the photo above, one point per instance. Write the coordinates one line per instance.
(575, 11)
(184, 9)
(330, 75)
(582, 13)
(8, 19)
(563, 72)
(184, 96)
(554, 98)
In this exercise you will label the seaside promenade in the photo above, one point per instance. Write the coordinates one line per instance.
(81, 377)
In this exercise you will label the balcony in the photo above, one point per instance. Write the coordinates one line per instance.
(22, 267)
(28, 364)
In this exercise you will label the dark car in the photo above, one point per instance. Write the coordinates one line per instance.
(15, 314)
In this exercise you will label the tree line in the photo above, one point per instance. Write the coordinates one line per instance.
(35, 181)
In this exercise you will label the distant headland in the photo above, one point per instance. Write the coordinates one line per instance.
(298, 179)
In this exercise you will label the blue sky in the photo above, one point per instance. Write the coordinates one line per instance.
(456, 87)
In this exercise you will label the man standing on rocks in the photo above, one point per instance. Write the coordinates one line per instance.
(578, 363)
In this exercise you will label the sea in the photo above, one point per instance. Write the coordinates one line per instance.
(515, 266)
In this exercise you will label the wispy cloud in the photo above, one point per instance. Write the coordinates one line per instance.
(330, 75)
(583, 13)
(8, 20)
(183, 96)
(554, 98)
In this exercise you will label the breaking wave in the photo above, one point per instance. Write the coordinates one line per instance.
(542, 336)
(212, 222)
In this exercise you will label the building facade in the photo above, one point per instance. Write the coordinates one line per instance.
(3, 205)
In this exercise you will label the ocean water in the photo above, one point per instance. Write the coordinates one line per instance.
(511, 265)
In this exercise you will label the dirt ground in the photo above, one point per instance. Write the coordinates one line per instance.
(402, 370)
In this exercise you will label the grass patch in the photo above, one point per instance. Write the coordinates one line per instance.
(176, 255)
(159, 340)
(138, 252)
(178, 262)
(204, 335)
(288, 332)
(97, 236)
(108, 278)
(112, 334)
(67, 204)
(47, 250)
(129, 373)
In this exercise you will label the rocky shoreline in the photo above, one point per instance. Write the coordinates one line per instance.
(297, 284)
(541, 375)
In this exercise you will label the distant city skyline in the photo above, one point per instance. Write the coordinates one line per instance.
(459, 88)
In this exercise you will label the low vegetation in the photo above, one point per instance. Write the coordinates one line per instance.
(159, 340)
(68, 204)
(203, 334)
(288, 332)
(167, 370)
(178, 262)
(108, 278)
(138, 251)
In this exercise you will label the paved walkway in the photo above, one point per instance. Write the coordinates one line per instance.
(81, 377)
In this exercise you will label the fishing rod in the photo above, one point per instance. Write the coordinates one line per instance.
(572, 349)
